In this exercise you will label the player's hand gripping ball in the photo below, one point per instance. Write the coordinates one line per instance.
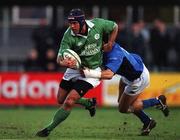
(68, 53)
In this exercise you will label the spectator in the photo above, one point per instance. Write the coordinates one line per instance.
(159, 44)
(122, 37)
(144, 30)
(43, 37)
(32, 62)
(176, 50)
(50, 64)
(136, 40)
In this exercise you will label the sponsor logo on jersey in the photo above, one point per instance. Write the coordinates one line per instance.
(90, 49)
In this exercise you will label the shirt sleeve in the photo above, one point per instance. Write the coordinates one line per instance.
(66, 43)
(114, 63)
(108, 25)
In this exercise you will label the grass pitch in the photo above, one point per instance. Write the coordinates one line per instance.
(108, 124)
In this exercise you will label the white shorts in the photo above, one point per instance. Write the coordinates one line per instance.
(138, 85)
(72, 74)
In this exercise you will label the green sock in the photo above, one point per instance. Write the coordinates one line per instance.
(84, 102)
(59, 116)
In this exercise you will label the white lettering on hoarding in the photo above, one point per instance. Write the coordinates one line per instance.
(22, 85)
(11, 88)
(23, 88)
(36, 89)
(51, 87)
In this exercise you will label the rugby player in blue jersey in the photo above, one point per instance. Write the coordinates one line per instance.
(134, 79)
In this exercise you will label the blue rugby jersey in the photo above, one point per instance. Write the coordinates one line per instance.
(121, 62)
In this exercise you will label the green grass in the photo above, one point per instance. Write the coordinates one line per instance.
(108, 124)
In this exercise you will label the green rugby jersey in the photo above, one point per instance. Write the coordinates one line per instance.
(89, 47)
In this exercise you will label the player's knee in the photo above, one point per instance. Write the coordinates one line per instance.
(69, 103)
(137, 105)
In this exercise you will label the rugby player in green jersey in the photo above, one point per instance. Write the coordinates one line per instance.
(85, 37)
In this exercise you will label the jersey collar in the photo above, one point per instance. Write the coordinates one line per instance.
(90, 25)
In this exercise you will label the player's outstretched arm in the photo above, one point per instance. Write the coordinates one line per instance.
(105, 74)
(108, 46)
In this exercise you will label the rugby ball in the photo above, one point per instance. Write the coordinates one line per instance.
(68, 53)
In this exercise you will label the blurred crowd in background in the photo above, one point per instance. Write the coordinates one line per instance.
(27, 46)
(158, 45)
(42, 57)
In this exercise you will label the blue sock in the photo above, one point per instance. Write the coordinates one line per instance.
(142, 116)
(150, 102)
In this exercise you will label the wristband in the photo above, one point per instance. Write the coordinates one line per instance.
(89, 73)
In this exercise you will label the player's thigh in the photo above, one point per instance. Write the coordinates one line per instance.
(126, 101)
(64, 88)
(121, 88)
(82, 87)
(61, 96)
